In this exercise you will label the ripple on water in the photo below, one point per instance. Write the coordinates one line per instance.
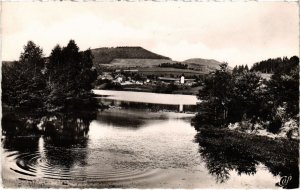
(33, 165)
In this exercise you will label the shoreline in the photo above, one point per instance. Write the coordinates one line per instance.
(190, 91)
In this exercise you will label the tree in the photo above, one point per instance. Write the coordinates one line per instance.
(234, 70)
(71, 77)
(284, 88)
(23, 83)
(228, 97)
(246, 96)
(243, 95)
(88, 74)
(275, 65)
(216, 97)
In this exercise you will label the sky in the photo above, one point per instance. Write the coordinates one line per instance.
(237, 33)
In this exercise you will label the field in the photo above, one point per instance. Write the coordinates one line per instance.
(150, 67)
(160, 71)
(137, 62)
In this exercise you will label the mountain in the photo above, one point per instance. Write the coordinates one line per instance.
(106, 55)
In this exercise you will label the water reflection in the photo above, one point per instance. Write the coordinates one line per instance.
(14, 124)
(65, 142)
(224, 152)
(62, 156)
(21, 144)
(66, 125)
(103, 150)
(61, 128)
(120, 119)
(62, 146)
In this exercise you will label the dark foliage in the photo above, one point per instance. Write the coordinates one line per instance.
(276, 65)
(243, 153)
(240, 69)
(165, 88)
(216, 97)
(232, 97)
(70, 79)
(174, 65)
(284, 87)
(23, 82)
(39, 87)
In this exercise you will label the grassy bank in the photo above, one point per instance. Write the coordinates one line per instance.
(225, 150)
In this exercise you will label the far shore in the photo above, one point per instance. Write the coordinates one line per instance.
(143, 88)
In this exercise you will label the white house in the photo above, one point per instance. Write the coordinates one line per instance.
(182, 79)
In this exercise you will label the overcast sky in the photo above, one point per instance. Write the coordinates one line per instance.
(238, 33)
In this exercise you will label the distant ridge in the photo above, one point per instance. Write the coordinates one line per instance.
(106, 55)
(206, 64)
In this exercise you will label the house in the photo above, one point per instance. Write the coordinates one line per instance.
(119, 78)
(182, 79)
(105, 75)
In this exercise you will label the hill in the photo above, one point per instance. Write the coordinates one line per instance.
(205, 65)
(106, 55)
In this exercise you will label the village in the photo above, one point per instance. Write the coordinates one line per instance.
(137, 81)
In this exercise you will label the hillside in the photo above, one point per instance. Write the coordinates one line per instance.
(106, 55)
(138, 62)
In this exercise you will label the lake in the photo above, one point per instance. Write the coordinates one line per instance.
(129, 146)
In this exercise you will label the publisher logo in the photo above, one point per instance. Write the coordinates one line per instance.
(284, 181)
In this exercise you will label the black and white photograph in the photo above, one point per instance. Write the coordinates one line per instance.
(149, 94)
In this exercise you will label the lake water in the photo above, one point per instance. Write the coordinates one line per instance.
(125, 147)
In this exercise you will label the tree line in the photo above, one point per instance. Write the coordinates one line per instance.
(240, 68)
(174, 65)
(275, 64)
(59, 83)
(229, 97)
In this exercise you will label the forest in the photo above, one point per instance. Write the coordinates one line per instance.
(275, 65)
(244, 96)
(58, 86)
